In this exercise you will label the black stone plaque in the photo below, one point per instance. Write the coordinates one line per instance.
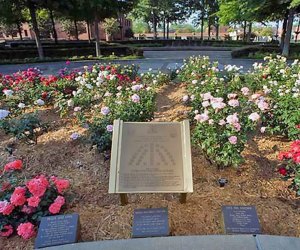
(150, 222)
(58, 230)
(241, 220)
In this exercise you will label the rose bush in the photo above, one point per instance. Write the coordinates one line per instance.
(280, 82)
(290, 169)
(113, 87)
(103, 93)
(24, 201)
(224, 110)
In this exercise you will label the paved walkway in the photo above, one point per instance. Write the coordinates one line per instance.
(157, 60)
(209, 242)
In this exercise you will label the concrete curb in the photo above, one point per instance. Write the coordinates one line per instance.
(204, 242)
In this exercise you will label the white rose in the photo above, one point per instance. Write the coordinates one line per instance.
(70, 103)
(40, 102)
(21, 105)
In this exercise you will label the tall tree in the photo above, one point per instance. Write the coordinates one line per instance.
(32, 5)
(11, 16)
(104, 9)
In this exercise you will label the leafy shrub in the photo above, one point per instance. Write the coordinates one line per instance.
(27, 126)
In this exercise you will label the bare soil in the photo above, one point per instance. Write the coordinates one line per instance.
(255, 183)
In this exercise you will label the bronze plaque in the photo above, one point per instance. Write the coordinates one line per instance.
(150, 157)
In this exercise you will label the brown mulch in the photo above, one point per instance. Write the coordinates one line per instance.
(255, 183)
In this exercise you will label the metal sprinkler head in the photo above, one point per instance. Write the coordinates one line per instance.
(222, 182)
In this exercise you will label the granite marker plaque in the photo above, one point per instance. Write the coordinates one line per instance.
(150, 222)
(241, 220)
(151, 157)
(58, 230)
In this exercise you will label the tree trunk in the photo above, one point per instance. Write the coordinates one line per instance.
(97, 37)
(88, 30)
(287, 39)
(284, 25)
(168, 28)
(76, 30)
(245, 26)
(217, 28)
(154, 26)
(202, 25)
(20, 31)
(164, 27)
(209, 28)
(249, 32)
(53, 26)
(32, 10)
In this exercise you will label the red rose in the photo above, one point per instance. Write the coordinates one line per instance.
(5, 186)
(296, 158)
(282, 171)
(14, 165)
(6, 231)
(44, 95)
(295, 146)
(55, 208)
(284, 155)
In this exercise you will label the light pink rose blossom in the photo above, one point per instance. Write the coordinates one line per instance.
(233, 103)
(222, 122)
(201, 117)
(254, 117)
(135, 98)
(207, 96)
(205, 104)
(232, 119)
(232, 139)
(245, 91)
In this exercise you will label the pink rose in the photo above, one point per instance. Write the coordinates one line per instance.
(233, 103)
(207, 96)
(185, 98)
(55, 208)
(6, 207)
(254, 116)
(245, 91)
(222, 122)
(18, 196)
(201, 118)
(237, 126)
(26, 230)
(232, 139)
(135, 98)
(232, 119)
(34, 201)
(205, 104)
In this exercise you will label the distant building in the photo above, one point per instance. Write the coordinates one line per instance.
(28, 34)
(223, 32)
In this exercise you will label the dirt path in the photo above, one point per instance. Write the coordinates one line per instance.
(169, 103)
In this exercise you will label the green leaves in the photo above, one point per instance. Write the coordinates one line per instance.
(23, 127)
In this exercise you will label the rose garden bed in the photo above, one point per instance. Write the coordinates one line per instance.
(74, 112)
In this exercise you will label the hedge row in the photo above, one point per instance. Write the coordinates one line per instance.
(196, 42)
(68, 52)
(246, 51)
